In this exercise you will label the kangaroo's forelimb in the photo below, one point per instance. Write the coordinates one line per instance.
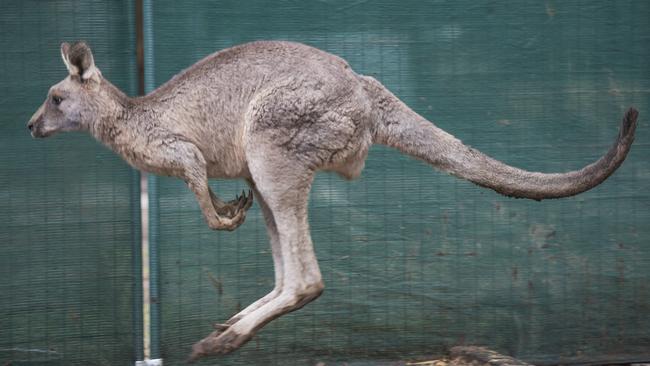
(191, 163)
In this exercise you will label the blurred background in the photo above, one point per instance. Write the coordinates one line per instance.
(414, 261)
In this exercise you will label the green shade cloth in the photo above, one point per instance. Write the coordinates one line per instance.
(68, 207)
(415, 261)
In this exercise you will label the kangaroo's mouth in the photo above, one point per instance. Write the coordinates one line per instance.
(37, 131)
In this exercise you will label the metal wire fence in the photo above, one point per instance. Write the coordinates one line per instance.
(413, 261)
(69, 218)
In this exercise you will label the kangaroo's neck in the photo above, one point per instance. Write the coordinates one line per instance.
(125, 124)
(115, 125)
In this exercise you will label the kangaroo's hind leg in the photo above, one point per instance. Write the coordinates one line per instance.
(274, 240)
(284, 184)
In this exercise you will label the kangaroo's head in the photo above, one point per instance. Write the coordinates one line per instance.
(72, 104)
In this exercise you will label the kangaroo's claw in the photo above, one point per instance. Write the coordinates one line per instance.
(232, 213)
(232, 208)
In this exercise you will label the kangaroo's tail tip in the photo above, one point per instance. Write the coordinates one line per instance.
(628, 125)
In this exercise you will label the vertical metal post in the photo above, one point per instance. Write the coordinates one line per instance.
(138, 325)
(152, 186)
(136, 215)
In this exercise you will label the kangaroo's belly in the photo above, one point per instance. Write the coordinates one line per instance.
(224, 158)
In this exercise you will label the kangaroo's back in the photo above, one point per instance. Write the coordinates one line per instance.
(208, 101)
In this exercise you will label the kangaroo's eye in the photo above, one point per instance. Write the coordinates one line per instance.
(57, 99)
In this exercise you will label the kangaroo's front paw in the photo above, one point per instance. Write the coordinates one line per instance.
(231, 208)
(232, 214)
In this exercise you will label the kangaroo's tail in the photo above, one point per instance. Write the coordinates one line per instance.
(398, 126)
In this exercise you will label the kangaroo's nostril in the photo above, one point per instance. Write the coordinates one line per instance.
(30, 126)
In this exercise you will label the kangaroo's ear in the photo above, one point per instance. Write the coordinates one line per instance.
(79, 60)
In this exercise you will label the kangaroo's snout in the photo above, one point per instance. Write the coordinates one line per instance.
(35, 124)
(33, 127)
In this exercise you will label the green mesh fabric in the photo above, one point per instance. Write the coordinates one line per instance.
(415, 261)
(69, 207)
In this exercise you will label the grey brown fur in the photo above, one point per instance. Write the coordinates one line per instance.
(275, 113)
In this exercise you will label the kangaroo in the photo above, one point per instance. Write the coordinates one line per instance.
(274, 113)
